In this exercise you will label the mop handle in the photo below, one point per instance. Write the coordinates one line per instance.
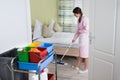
(66, 52)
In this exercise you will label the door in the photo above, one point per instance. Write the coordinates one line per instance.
(104, 36)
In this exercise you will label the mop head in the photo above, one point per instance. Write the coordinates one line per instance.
(61, 63)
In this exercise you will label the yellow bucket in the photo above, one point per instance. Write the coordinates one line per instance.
(35, 44)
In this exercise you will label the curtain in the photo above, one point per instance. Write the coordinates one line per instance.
(65, 14)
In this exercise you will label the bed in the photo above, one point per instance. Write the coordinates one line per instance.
(61, 41)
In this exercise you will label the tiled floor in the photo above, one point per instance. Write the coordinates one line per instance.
(66, 72)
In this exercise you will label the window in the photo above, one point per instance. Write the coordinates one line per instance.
(66, 18)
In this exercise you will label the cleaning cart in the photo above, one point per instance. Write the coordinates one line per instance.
(21, 68)
(34, 66)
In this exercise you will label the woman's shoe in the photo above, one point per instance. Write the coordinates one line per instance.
(73, 66)
(83, 71)
(76, 68)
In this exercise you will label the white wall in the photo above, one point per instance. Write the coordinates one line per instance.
(85, 6)
(15, 24)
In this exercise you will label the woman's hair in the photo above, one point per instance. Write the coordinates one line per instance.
(78, 10)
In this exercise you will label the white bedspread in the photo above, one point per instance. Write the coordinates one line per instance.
(59, 38)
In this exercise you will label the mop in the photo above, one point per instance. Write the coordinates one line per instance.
(60, 61)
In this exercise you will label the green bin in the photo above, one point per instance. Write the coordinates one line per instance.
(23, 55)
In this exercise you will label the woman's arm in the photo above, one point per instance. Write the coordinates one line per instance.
(76, 36)
(83, 27)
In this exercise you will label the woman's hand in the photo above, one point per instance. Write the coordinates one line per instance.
(73, 41)
(78, 33)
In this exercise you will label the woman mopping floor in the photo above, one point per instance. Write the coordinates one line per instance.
(82, 33)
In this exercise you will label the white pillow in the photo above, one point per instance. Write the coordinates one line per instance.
(57, 28)
(52, 23)
(37, 33)
(46, 33)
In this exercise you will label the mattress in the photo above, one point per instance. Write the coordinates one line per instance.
(62, 39)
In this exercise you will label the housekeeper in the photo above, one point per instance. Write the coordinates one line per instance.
(82, 33)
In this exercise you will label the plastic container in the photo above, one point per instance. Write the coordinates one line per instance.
(49, 46)
(50, 76)
(23, 55)
(5, 61)
(37, 54)
(34, 66)
(35, 44)
(43, 76)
